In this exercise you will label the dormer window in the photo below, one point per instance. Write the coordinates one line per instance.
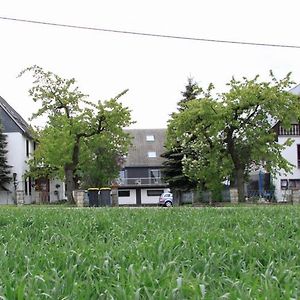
(151, 154)
(150, 138)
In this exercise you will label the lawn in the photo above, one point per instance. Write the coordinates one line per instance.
(151, 253)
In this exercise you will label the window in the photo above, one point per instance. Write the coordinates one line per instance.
(29, 185)
(294, 184)
(27, 148)
(122, 174)
(284, 184)
(154, 192)
(124, 193)
(155, 176)
(151, 154)
(298, 155)
(150, 138)
(26, 187)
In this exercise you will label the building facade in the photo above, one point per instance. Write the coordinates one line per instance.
(140, 181)
(20, 146)
(287, 184)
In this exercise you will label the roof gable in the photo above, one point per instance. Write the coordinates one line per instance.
(295, 90)
(145, 152)
(12, 121)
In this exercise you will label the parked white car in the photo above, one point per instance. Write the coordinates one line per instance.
(166, 199)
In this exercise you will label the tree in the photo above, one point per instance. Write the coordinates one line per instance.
(105, 165)
(172, 166)
(232, 133)
(74, 125)
(4, 167)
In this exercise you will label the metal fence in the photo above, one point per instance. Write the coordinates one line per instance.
(141, 181)
(256, 195)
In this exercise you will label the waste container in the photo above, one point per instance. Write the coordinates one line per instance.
(93, 194)
(105, 197)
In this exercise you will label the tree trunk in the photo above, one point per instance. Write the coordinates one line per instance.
(70, 183)
(70, 170)
(240, 184)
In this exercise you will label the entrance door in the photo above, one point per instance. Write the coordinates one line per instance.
(138, 197)
(42, 186)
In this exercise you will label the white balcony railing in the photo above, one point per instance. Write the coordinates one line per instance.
(141, 181)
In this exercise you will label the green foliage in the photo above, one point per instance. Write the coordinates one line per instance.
(63, 253)
(232, 133)
(100, 161)
(75, 131)
(5, 176)
(172, 166)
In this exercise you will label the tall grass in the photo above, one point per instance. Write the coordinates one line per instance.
(156, 253)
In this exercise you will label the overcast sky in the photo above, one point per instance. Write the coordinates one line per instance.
(155, 70)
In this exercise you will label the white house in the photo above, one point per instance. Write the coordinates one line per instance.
(140, 181)
(285, 184)
(288, 184)
(20, 146)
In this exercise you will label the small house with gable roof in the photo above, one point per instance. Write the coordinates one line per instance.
(140, 181)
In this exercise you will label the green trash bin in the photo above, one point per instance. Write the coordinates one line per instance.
(93, 194)
(105, 197)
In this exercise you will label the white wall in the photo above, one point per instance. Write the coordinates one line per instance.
(6, 197)
(16, 157)
(290, 154)
(128, 200)
(57, 190)
(151, 199)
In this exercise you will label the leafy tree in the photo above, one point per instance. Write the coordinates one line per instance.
(4, 167)
(105, 165)
(74, 126)
(232, 133)
(172, 166)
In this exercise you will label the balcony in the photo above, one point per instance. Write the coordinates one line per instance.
(148, 181)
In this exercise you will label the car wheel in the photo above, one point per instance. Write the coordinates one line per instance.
(168, 204)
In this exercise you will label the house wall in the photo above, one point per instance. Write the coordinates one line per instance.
(145, 199)
(16, 147)
(290, 153)
(151, 199)
(57, 190)
(17, 158)
(131, 200)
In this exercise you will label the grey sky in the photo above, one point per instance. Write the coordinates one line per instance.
(154, 70)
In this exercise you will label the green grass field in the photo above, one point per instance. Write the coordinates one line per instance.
(151, 253)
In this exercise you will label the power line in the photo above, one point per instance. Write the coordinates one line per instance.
(150, 34)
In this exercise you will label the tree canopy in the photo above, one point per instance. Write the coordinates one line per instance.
(172, 166)
(77, 132)
(227, 135)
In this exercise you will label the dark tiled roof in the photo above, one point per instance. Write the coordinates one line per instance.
(138, 152)
(295, 90)
(19, 121)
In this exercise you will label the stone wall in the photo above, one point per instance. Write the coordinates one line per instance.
(20, 197)
(79, 197)
(234, 198)
(295, 195)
